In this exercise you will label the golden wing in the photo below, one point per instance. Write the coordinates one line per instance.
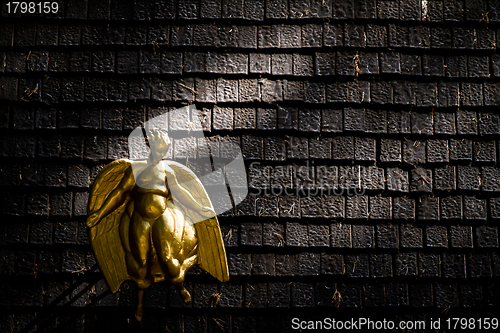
(211, 251)
(105, 235)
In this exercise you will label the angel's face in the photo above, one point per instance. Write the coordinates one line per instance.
(158, 152)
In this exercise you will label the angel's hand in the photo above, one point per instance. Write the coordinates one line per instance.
(93, 219)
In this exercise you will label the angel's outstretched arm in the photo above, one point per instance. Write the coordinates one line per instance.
(185, 197)
(114, 199)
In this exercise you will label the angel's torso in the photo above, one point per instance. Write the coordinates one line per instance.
(151, 193)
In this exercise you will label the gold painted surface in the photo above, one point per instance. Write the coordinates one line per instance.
(141, 227)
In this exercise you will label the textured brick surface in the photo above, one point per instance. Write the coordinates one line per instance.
(375, 121)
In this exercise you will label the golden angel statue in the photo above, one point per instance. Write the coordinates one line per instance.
(151, 221)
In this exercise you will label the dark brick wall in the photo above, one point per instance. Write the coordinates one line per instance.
(399, 98)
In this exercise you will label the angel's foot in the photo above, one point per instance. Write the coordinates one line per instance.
(185, 294)
(139, 312)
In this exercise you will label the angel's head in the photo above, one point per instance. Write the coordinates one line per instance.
(159, 143)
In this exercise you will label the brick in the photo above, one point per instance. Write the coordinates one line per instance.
(429, 265)
(468, 178)
(302, 65)
(226, 36)
(487, 237)
(368, 63)
(290, 37)
(471, 94)
(397, 180)
(489, 179)
(216, 63)
(491, 94)
(194, 62)
(268, 37)
(440, 38)
(244, 118)
(376, 35)
(293, 90)
(453, 265)
(437, 151)
(461, 150)
(181, 35)
(381, 93)
(445, 178)
(410, 10)
(390, 150)
(397, 36)
(406, 264)
(278, 295)
(343, 148)
(272, 234)
(246, 37)
(365, 9)
(485, 151)
(310, 206)
(346, 63)
(448, 94)
(475, 209)
(281, 64)
(260, 63)
(389, 63)
(320, 148)
(456, 66)
(421, 295)
(297, 148)
(357, 266)
(222, 118)
(388, 9)
(380, 265)
(364, 149)
(414, 152)
(207, 90)
(314, 92)
(357, 207)
(421, 180)
(428, 208)
(488, 122)
(311, 35)
(479, 265)
(331, 120)
(461, 237)
(463, 38)
(296, 234)
(478, 66)
(333, 35)
(271, 91)
(444, 123)
(354, 35)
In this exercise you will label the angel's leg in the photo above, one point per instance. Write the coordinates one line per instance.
(140, 243)
(179, 281)
(139, 311)
(163, 232)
